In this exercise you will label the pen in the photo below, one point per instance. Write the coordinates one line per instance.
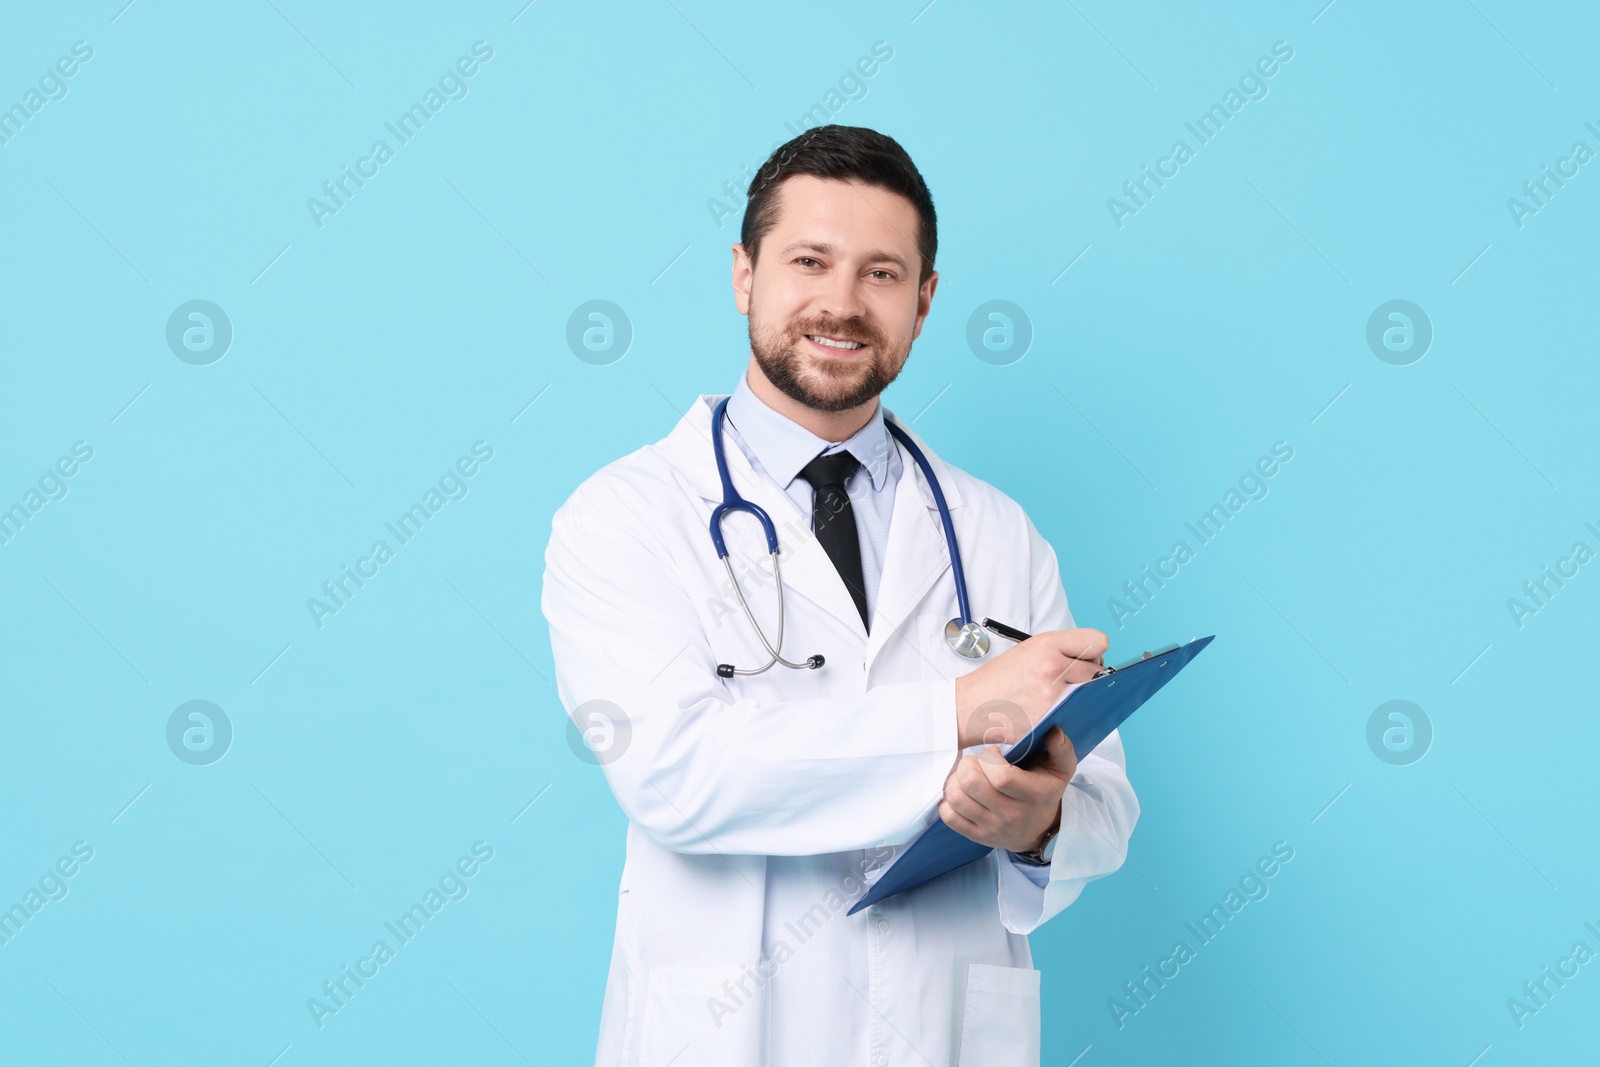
(1009, 632)
(1014, 634)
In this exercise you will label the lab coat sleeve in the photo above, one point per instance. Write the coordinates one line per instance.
(1098, 810)
(698, 769)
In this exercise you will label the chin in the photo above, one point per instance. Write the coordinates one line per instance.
(830, 381)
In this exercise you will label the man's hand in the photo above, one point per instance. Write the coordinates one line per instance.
(996, 804)
(1000, 701)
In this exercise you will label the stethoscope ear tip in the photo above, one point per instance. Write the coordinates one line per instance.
(727, 670)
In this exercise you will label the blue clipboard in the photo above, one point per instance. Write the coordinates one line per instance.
(1087, 715)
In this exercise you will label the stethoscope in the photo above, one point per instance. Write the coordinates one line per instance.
(966, 637)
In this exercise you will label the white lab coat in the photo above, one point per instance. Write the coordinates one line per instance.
(756, 803)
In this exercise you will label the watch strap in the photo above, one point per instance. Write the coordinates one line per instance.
(1042, 856)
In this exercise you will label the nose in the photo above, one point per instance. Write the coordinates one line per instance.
(841, 296)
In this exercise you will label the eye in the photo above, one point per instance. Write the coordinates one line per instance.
(807, 259)
(887, 275)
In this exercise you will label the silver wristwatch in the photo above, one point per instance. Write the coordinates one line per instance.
(1041, 858)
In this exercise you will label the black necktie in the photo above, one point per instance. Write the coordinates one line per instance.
(834, 521)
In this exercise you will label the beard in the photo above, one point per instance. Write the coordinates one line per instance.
(820, 382)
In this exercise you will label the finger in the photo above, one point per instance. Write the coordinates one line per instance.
(1085, 643)
(969, 791)
(1062, 747)
(1002, 783)
(1075, 671)
(989, 757)
(1061, 752)
(966, 807)
(957, 798)
(1012, 794)
(1061, 758)
(1013, 783)
(1082, 655)
(960, 823)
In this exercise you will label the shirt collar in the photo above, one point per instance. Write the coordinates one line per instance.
(783, 447)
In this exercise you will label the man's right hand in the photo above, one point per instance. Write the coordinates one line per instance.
(1001, 701)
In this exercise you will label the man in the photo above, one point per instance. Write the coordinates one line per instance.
(760, 804)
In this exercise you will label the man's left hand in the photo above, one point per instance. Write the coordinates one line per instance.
(996, 804)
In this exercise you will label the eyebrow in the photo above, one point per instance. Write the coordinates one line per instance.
(876, 256)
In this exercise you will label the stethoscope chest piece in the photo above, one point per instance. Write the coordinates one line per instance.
(967, 639)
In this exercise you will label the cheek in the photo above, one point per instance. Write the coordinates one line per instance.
(765, 323)
(897, 318)
(778, 308)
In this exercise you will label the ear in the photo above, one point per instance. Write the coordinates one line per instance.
(924, 302)
(744, 270)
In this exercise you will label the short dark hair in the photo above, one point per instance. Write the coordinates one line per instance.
(841, 153)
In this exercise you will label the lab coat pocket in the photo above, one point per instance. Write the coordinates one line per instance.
(688, 1019)
(1000, 1025)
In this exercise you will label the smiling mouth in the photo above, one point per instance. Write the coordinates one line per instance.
(835, 344)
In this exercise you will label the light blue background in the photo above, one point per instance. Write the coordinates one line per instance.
(1227, 315)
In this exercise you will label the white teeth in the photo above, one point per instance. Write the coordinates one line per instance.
(848, 346)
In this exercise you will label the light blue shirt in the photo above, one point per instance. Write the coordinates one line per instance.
(778, 448)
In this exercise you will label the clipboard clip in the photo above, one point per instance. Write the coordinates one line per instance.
(1124, 666)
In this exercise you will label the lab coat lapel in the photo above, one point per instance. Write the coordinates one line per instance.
(807, 570)
(916, 556)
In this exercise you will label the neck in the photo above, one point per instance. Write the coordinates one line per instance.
(831, 426)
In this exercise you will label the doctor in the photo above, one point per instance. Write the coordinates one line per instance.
(761, 802)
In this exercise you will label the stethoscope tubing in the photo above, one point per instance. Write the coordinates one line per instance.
(956, 570)
(732, 501)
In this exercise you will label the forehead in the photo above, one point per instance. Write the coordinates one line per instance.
(850, 216)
